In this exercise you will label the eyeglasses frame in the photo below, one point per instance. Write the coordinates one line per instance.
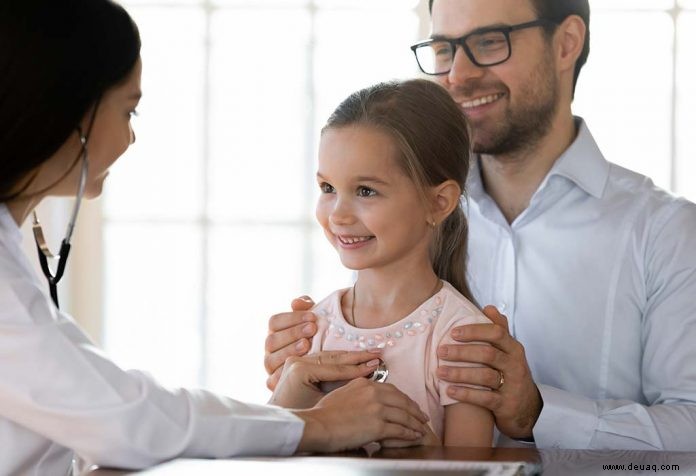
(461, 41)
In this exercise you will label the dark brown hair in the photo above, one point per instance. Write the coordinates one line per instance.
(57, 58)
(432, 136)
(557, 11)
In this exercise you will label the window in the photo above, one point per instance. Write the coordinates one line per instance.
(633, 91)
(211, 228)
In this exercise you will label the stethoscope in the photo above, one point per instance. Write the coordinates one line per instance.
(41, 246)
(380, 375)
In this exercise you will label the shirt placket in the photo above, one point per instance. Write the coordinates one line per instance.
(507, 276)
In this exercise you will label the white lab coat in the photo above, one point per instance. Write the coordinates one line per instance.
(59, 394)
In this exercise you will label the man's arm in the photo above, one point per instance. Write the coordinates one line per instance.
(572, 421)
(668, 367)
(557, 418)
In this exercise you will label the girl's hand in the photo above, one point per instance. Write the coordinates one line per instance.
(299, 384)
(359, 413)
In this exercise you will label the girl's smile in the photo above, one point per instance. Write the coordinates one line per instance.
(353, 242)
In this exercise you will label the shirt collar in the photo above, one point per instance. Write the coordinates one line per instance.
(8, 226)
(582, 163)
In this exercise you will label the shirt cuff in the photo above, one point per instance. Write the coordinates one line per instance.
(566, 420)
(289, 431)
(294, 437)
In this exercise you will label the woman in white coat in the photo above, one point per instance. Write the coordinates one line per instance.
(69, 83)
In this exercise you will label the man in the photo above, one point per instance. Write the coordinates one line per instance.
(594, 266)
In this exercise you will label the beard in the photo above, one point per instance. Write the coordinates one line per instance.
(525, 123)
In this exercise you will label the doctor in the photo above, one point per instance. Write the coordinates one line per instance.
(69, 83)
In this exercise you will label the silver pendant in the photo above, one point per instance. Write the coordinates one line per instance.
(380, 375)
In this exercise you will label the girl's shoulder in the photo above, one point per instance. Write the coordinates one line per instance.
(328, 312)
(457, 309)
(330, 307)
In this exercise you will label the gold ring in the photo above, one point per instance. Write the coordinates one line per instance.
(502, 379)
(319, 360)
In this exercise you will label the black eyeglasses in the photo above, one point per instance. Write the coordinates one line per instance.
(484, 47)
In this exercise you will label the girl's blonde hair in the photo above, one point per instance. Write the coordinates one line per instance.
(433, 139)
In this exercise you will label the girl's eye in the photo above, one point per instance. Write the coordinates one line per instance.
(366, 192)
(326, 188)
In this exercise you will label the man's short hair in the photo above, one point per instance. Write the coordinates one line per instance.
(559, 10)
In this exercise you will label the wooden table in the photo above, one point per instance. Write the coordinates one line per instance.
(549, 461)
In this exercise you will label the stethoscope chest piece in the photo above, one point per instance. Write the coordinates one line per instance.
(381, 373)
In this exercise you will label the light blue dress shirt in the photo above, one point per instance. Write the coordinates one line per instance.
(598, 280)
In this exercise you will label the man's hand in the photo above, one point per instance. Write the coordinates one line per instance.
(288, 335)
(517, 403)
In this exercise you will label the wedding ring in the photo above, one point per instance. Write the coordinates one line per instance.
(502, 379)
(319, 360)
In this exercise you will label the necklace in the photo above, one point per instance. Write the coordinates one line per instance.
(438, 284)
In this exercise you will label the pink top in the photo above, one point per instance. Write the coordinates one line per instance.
(410, 345)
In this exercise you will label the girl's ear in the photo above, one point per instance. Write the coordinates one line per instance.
(444, 199)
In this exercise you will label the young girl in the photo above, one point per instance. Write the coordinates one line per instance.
(393, 161)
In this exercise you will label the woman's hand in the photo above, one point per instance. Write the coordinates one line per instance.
(359, 413)
(299, 385)
(431, 439)
(289, 335)
(353, 415)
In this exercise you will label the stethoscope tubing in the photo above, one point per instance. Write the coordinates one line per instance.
(40, 240)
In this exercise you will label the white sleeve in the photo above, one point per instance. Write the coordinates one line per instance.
(668, 368)
(573, 421)
(55, 382)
